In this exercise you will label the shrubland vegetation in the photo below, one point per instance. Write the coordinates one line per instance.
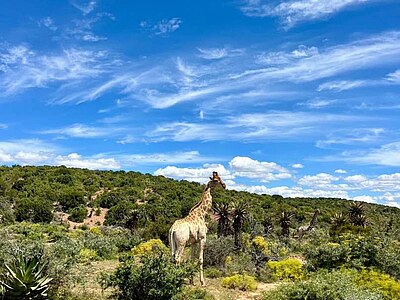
(353, 253)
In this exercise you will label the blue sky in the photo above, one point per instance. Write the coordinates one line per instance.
(299, 97)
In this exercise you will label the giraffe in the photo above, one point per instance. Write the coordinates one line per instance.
(193, 228)
(302, 230)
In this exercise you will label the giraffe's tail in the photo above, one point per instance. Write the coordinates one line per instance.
(172, 242)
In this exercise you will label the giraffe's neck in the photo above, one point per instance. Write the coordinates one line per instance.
(202, 208)
(314, 218)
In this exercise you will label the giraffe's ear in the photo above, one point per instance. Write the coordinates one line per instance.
(211, 178)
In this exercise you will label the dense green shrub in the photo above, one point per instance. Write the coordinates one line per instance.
(154, 277)
(240, 263)
(335, 285)
(328, 256)
(217, 250)
(103, 245)
(240, 282)
(70, 198)
(290, 269)
(78, 214)
(34, 210)
(213, 272)
(6, 212)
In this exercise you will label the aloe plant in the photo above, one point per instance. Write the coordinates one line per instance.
(25, 280)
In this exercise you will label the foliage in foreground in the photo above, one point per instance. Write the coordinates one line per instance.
(154, 277)
(335, 285)
(25, 279)
(240, 282)
(290, 269)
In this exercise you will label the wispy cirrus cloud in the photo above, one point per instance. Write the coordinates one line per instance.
(250, 127)
(162, 28)
(85, 6)
(84, 131)
(293, 12)
(352, 136)
(24, 68)
(47, 22)
(77, 75)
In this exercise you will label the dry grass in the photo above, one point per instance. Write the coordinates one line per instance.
(86, 284)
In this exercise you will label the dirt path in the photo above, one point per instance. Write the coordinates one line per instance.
(220, 293)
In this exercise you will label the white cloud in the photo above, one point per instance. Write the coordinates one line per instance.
(213, 53)
(342, 85)
(3, 126)
(368, 199)
(26, 151)
(386, 155)
(75, 160)
(83, 131)
(353, 136)
(163, 27)
(297, 166)
(394, 77)
(340, 171)
(84, 6)
(27, 69)
(250, 127)
(187, 157)
(318, 103)
(218, 53)
(262, 171)
(321, 180)
(296, 11)
(200, 175)
(48, 23)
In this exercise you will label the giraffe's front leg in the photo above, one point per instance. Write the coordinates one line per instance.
(202, 244)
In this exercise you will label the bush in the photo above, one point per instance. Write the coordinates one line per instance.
(87, 255)
(382, 283)
(290, 269)
(103, 245)
(241, 282)
(154, 277)
(34, 210)
(213, 272)
(78, 214)
(149, 247)
(240, 263)
(217, 250)
(328, 256)
(71, 198)
(194, 294)
(323, 286)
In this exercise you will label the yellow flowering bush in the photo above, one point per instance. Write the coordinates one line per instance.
(149, 246)
(386, 285)
(290, 269)
(87, 255)
(240, 282)
(96, 230)
(269, 247)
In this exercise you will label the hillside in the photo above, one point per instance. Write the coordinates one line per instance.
(79, 223)
(158, 200)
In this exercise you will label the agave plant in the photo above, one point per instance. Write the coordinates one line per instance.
(338, 220)
(357, 214)
(25, 280)
(223, 214)
(285, 221)
(239, 215)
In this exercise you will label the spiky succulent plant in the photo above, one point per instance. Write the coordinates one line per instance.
(24, 279)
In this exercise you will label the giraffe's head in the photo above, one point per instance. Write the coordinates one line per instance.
(215, 180)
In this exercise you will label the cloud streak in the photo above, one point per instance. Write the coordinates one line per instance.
(293, 12)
